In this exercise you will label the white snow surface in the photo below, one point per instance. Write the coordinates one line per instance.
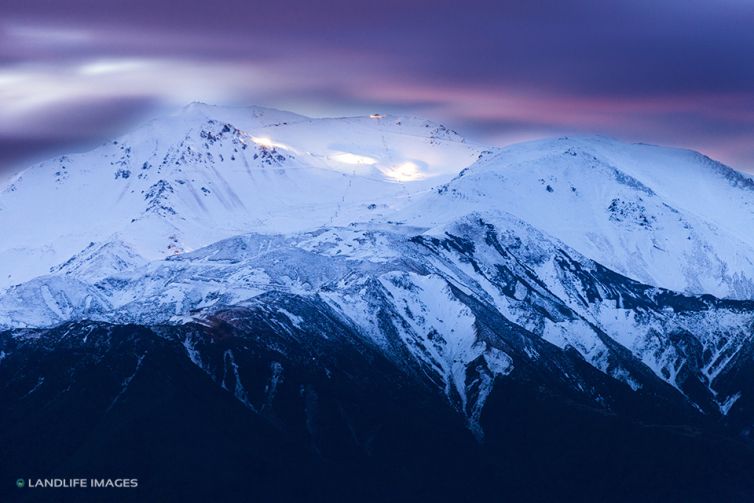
(207, 173)
(666, 217)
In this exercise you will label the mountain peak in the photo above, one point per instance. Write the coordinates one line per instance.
(209, 172)
(206, 173)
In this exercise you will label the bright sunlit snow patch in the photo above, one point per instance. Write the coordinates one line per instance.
(405, 172)
(348, 158)
(263, 141)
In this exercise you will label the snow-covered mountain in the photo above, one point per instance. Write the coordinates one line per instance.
(425, 286)
(253, 244)
(666, 217)
(208, 173)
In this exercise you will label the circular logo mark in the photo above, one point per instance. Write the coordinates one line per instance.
(20, 483)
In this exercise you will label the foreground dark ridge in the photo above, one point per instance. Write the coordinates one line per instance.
(245, 406)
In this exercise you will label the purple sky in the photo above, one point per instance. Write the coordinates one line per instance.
(675, 72)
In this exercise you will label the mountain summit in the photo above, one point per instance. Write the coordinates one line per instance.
(206, 173)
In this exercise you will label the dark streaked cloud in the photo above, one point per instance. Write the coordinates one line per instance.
(675, 72)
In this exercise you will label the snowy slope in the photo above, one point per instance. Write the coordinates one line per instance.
(208, 173)
(665, 217)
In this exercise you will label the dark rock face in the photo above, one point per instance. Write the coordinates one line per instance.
(251, 406)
